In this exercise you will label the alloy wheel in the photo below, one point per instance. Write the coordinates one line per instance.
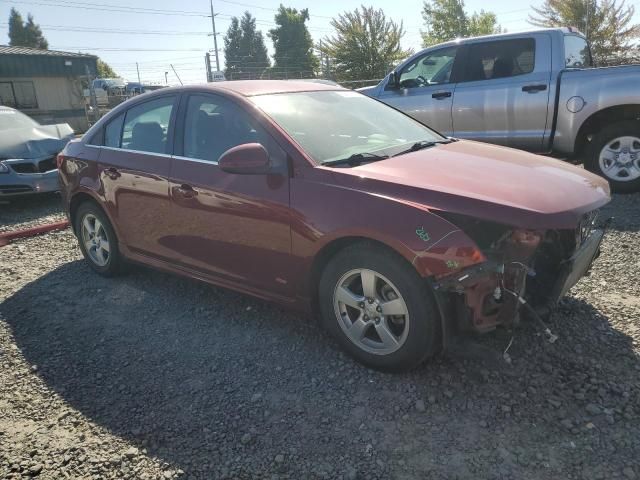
(371, 311)
(95, 239)
(620, 159)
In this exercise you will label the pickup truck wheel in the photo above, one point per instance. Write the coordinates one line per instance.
(615, 155)
(378, 308)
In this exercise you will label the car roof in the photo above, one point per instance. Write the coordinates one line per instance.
(249, 88)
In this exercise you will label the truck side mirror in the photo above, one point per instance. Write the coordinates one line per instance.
(394, 81)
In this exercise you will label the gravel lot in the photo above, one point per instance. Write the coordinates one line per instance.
(154, 376)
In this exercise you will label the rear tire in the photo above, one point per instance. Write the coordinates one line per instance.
(378, 308)
(98, 240)
(614, 153)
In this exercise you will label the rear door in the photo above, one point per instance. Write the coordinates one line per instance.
(134, 167)
(503, 94)
(425, 88)
(235, 227)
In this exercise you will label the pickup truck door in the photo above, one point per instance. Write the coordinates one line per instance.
(503, 94)
(425, 89)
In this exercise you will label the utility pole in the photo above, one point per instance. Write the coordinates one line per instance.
(586, 25)
(93, 100)
(215, 38)
(207, 64)
(138, 70)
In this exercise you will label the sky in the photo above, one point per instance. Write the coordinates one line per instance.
(157, 34)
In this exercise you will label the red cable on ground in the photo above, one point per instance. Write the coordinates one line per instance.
(7, 237)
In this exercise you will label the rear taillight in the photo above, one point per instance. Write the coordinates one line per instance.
(59, 160)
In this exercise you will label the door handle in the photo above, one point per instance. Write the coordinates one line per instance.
(112, 173)
(186, 191)
(440, 95)
(534, 88)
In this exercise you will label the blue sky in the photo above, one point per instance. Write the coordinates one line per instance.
(172, 32)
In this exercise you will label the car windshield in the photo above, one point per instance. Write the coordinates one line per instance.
(14, 119)
(331, 125)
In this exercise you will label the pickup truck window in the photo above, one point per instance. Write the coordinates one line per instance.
(500, 59)
(576, 52)
(434, 68)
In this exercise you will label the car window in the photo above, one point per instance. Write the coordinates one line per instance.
(146, 126)
(576, 52)
(213, 125)
(500, 59)
(113, 132)
(335, 124)
(433, 68)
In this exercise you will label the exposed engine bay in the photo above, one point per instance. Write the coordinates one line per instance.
(521, 268)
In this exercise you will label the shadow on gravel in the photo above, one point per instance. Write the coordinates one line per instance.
(624, 209)
(214, 383)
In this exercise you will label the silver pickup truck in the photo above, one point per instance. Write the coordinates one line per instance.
(537, 90)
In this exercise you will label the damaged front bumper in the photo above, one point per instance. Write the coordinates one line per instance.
(28, 176)
(524, 270)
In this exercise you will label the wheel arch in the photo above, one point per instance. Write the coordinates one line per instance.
(336, 245)
(600, 119)
(81, 197)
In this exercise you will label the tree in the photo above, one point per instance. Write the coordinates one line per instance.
(244, 49)
(232, 47)
(27, 34)
(293, 43)
(365, 46)
(607, 24)
(16, 29)
(105, 70)
(446, 19)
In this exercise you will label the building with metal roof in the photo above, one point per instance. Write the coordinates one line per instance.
(47, 85)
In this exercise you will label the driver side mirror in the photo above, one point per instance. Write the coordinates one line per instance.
(394, 81)
(245, 159)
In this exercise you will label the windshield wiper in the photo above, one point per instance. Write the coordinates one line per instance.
(355, 159)
(421, 145)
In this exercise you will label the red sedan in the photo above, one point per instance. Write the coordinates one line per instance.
(324, 199)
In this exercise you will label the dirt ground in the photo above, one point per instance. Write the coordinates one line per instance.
(153, 376)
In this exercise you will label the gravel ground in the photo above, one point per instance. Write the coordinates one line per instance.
(154, 376)
(30, 211)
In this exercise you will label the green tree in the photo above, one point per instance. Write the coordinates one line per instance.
(27, 34)
(607, 24)
(105, 70)
(16, 29)
(245, 52)
(446, 19)
(365, 46)
(232, 47)
(292, 43)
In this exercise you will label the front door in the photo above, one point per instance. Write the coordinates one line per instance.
(503, 95)
(425, 89)
(134, 167)
(235, 227)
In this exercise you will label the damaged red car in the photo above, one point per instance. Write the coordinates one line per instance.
(321, 198)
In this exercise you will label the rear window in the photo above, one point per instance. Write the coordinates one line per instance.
(500, 59)
(576, 52)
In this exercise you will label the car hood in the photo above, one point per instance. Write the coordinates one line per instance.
(488, 182)
(34, 142)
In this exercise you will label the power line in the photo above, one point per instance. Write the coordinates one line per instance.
(137, 10)
(69, 28)
(266, 8)
(113, 8)
(115, 49)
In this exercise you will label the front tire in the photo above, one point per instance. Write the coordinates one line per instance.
(98, 240)
(614, 154)
(378, 308)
